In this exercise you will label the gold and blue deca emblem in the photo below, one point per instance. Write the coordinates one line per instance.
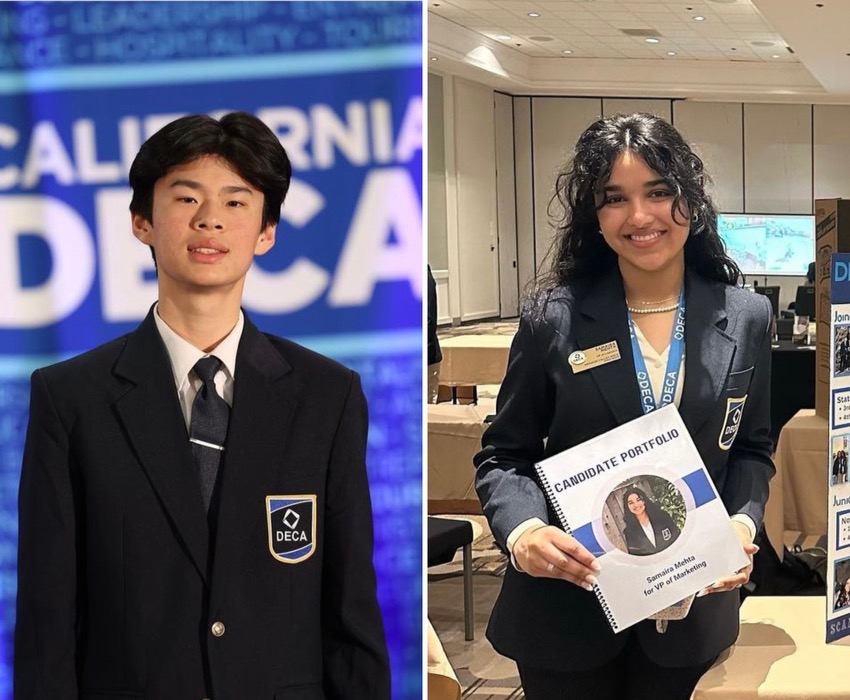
(292, 527)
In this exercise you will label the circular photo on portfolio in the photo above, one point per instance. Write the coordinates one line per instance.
(644, 515)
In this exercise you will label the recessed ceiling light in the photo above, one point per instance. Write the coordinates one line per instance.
(776, 55)
(433, 58)
(534, 14)
(652, 40)
(566, 51)
(699, 18)
(671, 53)
(503, 37)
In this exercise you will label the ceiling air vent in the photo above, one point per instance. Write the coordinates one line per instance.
(641, 32)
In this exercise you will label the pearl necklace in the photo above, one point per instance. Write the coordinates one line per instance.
(657, 310)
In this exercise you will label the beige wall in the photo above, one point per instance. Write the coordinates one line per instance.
(438, 256)
(763, 158)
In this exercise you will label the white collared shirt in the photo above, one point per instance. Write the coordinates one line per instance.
(183, 356)
(648, 531)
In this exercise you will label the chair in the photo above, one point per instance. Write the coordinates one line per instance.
(444, 538)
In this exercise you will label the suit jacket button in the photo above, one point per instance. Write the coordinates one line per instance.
(217, 629)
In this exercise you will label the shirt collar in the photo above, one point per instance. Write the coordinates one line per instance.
(184, 355)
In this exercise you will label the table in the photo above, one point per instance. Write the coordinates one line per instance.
(442, 680)
(801, 459)
(454, 436)
(471, 360)
(792, 383)
(780, 654)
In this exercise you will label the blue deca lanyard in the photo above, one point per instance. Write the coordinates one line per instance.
(674, 361)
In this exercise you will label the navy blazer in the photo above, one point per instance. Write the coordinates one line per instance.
(545, 408)
(116, 598)
(663, 528)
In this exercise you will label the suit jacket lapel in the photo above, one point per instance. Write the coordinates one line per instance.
(602, 318)
(266, 392)
(708, 350)
(156, 429)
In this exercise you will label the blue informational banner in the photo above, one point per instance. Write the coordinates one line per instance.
(83, 84)
(837, 356)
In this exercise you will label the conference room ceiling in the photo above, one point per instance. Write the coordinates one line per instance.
(769, 50)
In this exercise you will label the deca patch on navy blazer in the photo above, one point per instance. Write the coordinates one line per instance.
(731, 423)
(292, 527)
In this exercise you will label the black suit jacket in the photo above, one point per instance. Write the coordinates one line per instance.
(115, 599)
(435, 355)
(545, 408)
(663, 528)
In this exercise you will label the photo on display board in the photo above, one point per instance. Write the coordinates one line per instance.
(841, 351)
(838, 473)
(841, 592)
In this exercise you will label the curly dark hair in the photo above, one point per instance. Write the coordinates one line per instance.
(578, 251)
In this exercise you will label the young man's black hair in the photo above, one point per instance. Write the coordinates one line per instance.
(240, 138)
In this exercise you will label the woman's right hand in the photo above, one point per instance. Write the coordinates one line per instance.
(549, 552)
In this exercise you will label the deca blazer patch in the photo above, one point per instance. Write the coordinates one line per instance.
(292, 527)
(731, 423)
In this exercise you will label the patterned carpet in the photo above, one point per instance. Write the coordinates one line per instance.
(482, 673)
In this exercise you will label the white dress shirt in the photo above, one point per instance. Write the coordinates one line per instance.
(649, 532)
(183, 356)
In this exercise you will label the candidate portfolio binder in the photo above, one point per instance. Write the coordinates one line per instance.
(640, 499)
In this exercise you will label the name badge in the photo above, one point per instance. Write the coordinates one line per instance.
(292, 527)
(582, 360)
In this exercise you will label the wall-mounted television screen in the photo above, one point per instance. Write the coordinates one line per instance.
(769, 244)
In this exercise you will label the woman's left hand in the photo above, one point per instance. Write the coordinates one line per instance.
(737, 580)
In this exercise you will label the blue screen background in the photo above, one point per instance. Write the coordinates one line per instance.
(82, 84)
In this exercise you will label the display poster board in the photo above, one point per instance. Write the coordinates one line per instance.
(838, 521)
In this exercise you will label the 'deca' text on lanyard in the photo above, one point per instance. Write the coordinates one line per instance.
(674, 362)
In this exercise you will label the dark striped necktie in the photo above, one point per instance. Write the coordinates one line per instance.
(208, 427)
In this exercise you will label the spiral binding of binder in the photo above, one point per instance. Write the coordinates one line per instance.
(557, 508)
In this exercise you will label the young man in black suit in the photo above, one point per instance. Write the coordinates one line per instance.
(195, 518)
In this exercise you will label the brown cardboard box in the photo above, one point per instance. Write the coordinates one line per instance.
(832, 231)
